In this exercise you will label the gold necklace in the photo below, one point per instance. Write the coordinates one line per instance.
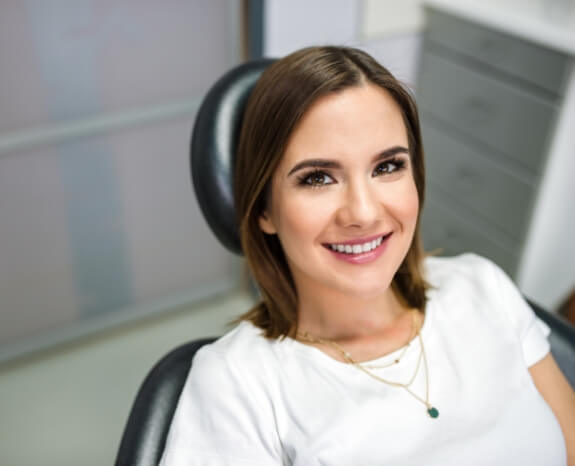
(405, 347)
(431, 410)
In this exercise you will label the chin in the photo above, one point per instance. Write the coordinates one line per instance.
(366, 292)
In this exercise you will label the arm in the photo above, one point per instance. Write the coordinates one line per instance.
(560, 397)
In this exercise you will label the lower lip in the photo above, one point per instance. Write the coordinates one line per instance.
(362, 257)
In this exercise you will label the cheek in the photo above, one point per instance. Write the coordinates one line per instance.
(412, 207)
(302, 217)
(405, 204)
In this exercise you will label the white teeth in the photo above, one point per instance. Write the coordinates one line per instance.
(357, 248)
(366, 247)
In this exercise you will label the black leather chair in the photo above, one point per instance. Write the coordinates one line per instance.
(151, 415)
(214, 139)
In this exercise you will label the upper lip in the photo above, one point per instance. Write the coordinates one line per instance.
(363, 240)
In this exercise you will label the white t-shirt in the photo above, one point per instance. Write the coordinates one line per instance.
(253, 401)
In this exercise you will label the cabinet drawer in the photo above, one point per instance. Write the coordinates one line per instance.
(525, 60)
(488, 111)
(477, 182)
(444, 229)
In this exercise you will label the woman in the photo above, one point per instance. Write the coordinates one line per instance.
(361, 352)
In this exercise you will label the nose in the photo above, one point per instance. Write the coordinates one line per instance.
(360, 207)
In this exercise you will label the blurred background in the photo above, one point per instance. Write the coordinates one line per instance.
(105, 260)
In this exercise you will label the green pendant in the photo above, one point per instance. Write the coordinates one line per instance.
(433, 412)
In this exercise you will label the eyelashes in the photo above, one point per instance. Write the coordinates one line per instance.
(387, 167)
(317, 178)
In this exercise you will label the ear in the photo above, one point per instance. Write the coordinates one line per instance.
(266, 224)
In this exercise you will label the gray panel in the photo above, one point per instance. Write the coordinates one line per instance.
(99, 224)
(447, 230)
(106, 59)
(489, 111)
(525, 60)
(479, 183)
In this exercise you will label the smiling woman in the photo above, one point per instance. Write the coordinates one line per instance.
(361, 350)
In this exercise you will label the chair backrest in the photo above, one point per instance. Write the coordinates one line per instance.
(212, 152)
(145, 433)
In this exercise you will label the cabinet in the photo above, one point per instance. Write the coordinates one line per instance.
(489, 102)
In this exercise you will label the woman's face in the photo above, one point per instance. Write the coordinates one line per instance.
(343, 200)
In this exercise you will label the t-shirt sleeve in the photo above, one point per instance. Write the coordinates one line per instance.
(222, 418)
(531, 330)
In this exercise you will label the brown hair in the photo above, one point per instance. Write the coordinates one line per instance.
(280, 98)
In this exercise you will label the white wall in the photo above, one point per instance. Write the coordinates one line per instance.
(97, 212)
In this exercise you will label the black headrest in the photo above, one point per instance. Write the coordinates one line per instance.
(213, 148)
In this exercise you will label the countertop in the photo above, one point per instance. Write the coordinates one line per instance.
(550, 23)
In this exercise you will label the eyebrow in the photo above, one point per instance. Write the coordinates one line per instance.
(328, 163)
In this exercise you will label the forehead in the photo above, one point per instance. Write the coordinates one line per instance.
(356, 121)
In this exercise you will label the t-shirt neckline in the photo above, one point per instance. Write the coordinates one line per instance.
(412, 352)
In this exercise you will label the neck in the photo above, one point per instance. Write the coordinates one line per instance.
(340, 317)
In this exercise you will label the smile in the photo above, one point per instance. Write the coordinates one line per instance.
(357, 248)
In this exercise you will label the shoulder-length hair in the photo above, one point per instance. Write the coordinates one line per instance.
(281, 97)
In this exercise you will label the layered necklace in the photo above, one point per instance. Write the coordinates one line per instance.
(367, 368)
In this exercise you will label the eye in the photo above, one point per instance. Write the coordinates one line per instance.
(388, 167)
(315, 179)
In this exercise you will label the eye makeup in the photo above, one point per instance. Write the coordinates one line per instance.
(316, 173)
(317, 178)
(314, 179)
(390, 166)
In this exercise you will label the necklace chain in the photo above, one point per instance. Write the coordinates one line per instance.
(365, 368)
(405, 348)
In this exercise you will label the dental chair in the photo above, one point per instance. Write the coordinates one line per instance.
(214, 138)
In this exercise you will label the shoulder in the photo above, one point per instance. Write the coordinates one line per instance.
(242, 350)
(243, 340)
(473, 286)
(471, 275)
(236, 367)
(476, 286)
(225, 411)
(467, 272)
